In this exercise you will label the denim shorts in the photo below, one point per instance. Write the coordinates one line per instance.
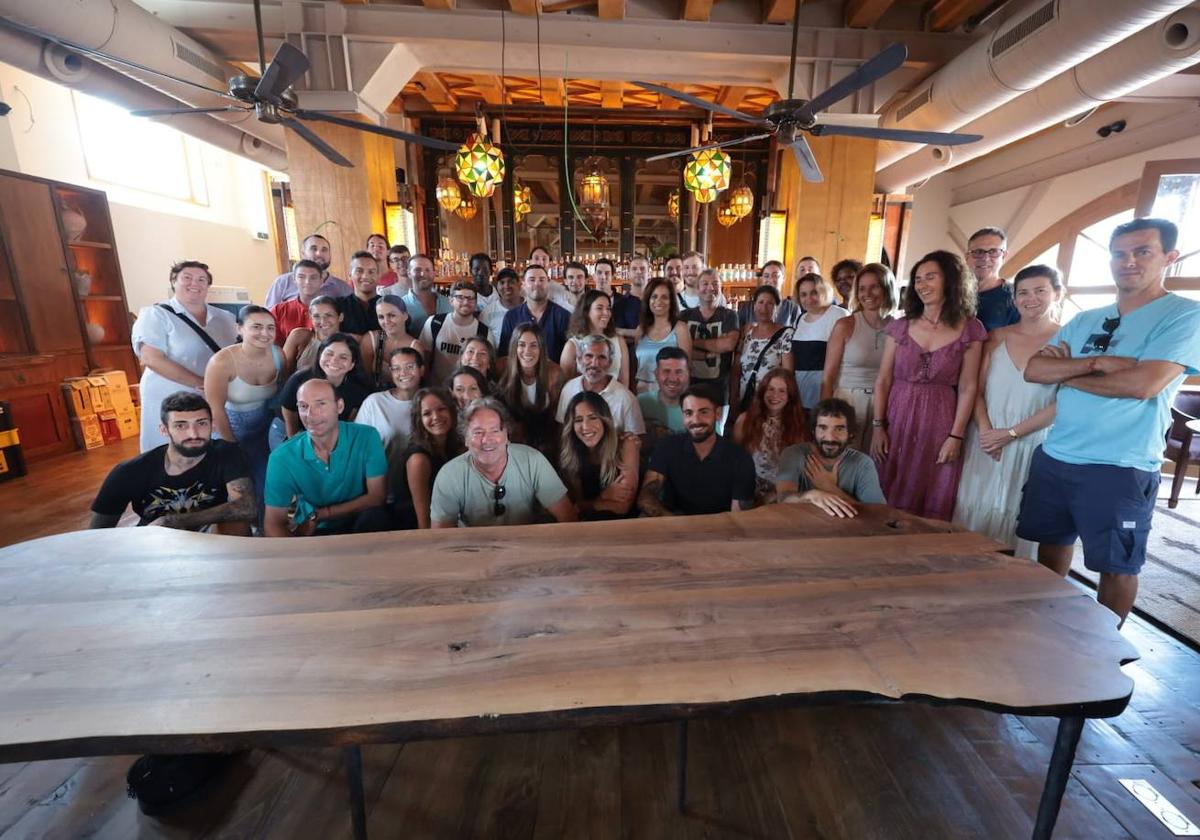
(1108, 508)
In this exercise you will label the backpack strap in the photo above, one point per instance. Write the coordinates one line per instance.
(435, 326)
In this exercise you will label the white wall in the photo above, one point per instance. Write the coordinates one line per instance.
(41, 137)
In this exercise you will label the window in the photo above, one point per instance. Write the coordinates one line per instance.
(1178, 199)
(1090, 260)
(137, 153)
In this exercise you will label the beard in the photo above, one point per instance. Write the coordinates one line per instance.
(832, 448)
(195, 450)
(700, 434)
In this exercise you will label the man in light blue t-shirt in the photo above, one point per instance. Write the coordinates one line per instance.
(1119, 367)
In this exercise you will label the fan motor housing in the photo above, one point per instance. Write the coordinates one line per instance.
(242, 87)
(789, 111)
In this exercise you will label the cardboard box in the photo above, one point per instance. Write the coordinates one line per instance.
(87, 433)
(127, 421)
(77, 394)
(118, 388)
(99, 391)
(109, 427)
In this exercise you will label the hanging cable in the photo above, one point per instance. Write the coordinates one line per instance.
(566, 154)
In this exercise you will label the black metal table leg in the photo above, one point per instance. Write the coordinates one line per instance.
(354, 781)
(1065, 743)
(681, 765)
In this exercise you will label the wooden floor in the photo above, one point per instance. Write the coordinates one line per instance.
(865, 772)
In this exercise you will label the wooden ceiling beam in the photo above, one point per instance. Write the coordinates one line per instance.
(436, 92)
(731, 96)
(612, 95)
(612, 9)
(779, 11)
(567, 5)
(552, 92)
(525, 7)
(699, 10)
(489, 89)
(948, 15)
(439, 4)
(863, 14)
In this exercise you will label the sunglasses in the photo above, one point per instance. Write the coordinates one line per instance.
(1109, 327)
(497, 506)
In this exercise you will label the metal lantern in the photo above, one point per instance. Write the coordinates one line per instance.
(708, 169)
(741, 200)
(673, 204)
(726, 215)
(480, 165)
(448, 194)
(467, 210)
(522, 202)
(705, 196)
(593, 197)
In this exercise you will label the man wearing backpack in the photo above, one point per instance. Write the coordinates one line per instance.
(446, 334)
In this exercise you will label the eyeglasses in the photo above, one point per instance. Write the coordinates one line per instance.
(1109, 327)
(980, 253)
(498, 506)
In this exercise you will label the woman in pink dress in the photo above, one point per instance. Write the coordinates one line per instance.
(926, 388)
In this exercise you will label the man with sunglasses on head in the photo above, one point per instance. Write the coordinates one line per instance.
(1118, 367)
(496, 482)
(986, 250)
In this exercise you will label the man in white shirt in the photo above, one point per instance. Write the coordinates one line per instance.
(508, 295)
(446, 334)
(595, 360)
(575, 276)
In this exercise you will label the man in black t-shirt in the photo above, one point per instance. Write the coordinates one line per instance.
(697, 471)
(189, 483)
(715, 334)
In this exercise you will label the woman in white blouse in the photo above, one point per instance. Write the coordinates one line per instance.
(175, 340)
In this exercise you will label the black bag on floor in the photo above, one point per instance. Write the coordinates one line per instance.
(161, 782)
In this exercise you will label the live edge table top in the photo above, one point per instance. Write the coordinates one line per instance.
(143, 639)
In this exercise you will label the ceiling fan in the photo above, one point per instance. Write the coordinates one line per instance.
(789, 119)
(269, 97)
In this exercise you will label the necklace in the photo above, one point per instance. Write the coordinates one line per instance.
(878, 331)
(933, 322)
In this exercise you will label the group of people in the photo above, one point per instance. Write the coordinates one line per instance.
(514, 399)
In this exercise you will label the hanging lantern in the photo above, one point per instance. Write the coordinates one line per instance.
(480, 165)
(448, 193)
(705, 196)
(593, 197)
(673, 204)
(741, 200)
(726, 215)
(467, 210)
(522, 202)
(707, 170)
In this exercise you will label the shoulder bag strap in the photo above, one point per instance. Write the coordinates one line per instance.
(196, 328)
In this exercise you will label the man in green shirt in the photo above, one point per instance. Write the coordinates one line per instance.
(329, 479)
(828, 473)
(496, 482)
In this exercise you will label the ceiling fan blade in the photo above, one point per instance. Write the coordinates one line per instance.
(285, 69)
(871, 70)
(170, 112)
(316, 142)
(701, 103)
(105, 57)
(749, 139)
(395, 134)
(807, 161)
(902, 135)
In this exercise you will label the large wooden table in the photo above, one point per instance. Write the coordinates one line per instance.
(145, 640)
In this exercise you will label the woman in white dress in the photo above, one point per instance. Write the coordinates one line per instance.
(1011, 415)
(175, 340)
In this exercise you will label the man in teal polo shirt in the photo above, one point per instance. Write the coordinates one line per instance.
(331, 478)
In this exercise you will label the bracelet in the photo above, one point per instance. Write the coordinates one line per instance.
(956, 437)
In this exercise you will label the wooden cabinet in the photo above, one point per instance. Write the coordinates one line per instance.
(62, 302)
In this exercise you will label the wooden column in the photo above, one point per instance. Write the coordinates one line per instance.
(829, 220)
(344, 205)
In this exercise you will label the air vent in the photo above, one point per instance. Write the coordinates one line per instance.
(190, 56)
(914, 104)
(1024, 29)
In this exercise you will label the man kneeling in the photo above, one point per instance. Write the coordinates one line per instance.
(329, 479)
(827, 472)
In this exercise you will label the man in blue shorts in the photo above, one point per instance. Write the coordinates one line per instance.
(1096, 476)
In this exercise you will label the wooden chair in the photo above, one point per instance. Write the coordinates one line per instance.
(1183, 445)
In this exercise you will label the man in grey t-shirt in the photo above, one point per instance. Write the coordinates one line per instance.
(496, 482)
(828, 473)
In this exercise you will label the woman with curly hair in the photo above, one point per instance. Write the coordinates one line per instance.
(593, 316)
(926, 387)
(774, 421)
(433, 442)
(598, 464)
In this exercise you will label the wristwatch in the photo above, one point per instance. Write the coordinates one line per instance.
(1012, 433)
